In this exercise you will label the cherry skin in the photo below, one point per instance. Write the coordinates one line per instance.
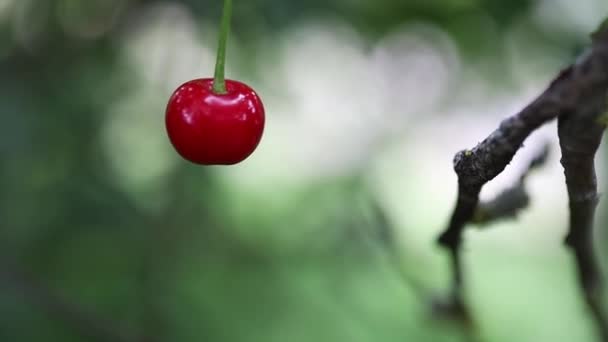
(214, 129)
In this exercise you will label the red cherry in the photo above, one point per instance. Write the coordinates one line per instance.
(209, 128)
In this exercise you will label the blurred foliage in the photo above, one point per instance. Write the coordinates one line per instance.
(181, 253)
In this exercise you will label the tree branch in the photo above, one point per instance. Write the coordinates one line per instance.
(577, 96)
(580, 137)
(506, 204)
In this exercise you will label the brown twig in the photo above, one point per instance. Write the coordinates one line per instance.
(580, 137)
(577, 97)
(507, 204)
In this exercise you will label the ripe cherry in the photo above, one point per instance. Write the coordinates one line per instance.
(207, 127)
(214, 120)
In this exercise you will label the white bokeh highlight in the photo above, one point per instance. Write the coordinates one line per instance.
(166, 47)
(339, 99)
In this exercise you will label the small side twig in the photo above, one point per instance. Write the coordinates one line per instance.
(508, 203)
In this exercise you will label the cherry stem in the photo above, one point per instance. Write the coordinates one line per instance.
(219, 82)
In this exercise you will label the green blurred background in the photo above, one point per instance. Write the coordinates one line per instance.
(326, 233)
